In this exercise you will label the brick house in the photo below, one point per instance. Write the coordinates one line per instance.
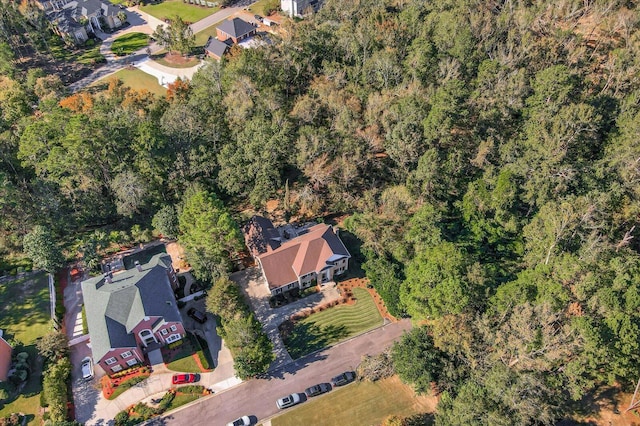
(215, 48)
(235, 29)
(292, 257)
(132, 314)
(5, 359)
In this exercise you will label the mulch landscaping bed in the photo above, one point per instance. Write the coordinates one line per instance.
(109, 385)
(176, 58)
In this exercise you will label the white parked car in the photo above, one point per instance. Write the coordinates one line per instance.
(242, 421)
(87, 368)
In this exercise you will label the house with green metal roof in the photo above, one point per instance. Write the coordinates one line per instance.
(132, 314)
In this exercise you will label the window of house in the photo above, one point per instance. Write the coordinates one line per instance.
(116, 368)
(126, 354)
(173, 338)
(110, 361)
(164, 332)
(132, 362)
(174, 328)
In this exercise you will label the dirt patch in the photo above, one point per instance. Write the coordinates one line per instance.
(606, 407)
(178, 259)
(177, 59)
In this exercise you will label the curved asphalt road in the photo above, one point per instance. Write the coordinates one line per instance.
(257, 398)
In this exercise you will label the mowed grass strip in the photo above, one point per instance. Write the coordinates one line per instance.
(170, 8)
(361, 403)
(129, 43)
(332, 325)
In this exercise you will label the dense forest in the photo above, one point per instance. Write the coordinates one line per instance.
(487, 154)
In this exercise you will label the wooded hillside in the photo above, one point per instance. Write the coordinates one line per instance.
(487, 152)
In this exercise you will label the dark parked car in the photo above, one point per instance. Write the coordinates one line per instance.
(344, 378)
(179, 379)
(197, 315)
(258, 18)
(318, 389)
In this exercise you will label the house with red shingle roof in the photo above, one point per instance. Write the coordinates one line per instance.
(295, 257)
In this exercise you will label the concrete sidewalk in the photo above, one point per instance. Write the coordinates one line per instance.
(166, 75)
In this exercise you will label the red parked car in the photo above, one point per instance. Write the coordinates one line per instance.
(179, 379)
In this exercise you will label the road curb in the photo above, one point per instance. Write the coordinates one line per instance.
(189, 405)
(384, 324)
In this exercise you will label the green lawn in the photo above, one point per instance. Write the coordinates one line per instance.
(183, 360)
(26, 314)
(135, 79)
(169, 8)
(129, 43)
(203, 36)
(26, 318)
(184, 364)
(333, 325)
(181, 400)
(369, 403)
(260, 7)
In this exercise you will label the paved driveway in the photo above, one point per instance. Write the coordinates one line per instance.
(253, 285)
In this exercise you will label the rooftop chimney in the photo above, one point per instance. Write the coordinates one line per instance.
(138, 266)
(107, 278)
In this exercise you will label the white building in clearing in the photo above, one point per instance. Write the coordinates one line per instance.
(297, 8)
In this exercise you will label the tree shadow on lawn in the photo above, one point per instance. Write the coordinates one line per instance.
(293, 367)
(185, 350)
(302, 338)
(29, 303)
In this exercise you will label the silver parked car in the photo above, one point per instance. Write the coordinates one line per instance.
(288, 401)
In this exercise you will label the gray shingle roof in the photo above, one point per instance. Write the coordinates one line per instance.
(236, 27)
(64, 20)
(216, 47)
(114, 309)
